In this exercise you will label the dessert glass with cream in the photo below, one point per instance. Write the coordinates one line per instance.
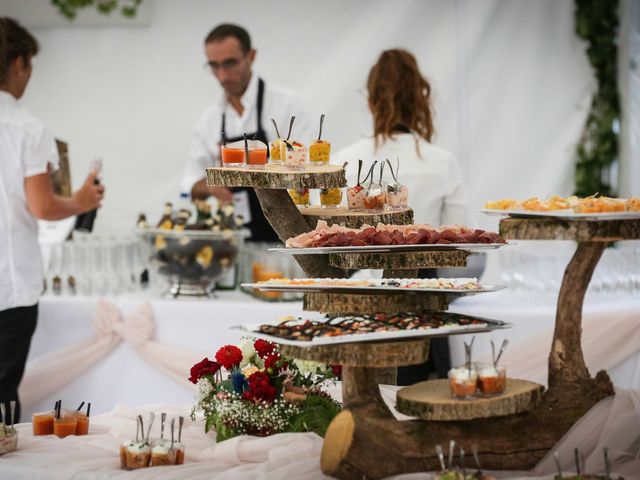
(463, 382)
(492, 380)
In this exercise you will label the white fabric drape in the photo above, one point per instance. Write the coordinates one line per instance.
(50, 372)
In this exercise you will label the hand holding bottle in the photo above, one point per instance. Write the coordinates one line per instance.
(90, 194)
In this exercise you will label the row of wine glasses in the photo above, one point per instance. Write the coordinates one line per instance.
(535, 271)
(94, 265)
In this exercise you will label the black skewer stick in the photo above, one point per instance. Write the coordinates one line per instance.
(360, 162)
(276, 127)
(12, 406)
(576, 458)
(246, 147)
(88, 408)
(293, 118)
(321, 122)
(224, 138)
(81, 405)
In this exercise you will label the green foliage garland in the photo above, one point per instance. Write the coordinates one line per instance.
(597, 24)
(69, 8)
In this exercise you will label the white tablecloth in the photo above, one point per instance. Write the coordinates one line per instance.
(615, 422)
(201, 326)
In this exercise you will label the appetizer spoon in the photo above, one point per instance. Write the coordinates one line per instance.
(452, 447)
(138, 423)
(180, 423)
(576, 458)
(321, 122)
(441, 457)
(3, 413)
(293, 118)
(173, 427)
(12, 406)
(276, 127)
(474, 450)
(464, 470)
(359, 170)
(607, 463)
(163, 418)
(505, 342)
(152, 417)
(556, 458)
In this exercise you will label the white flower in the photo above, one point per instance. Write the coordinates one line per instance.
(204, 390)
(248, 352)
(308, 366)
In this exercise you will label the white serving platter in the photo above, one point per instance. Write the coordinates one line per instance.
(355, 289)
(432, 247)
(252, 330)
(563, 214)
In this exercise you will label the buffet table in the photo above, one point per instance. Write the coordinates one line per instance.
(615, 423)
(138, 349)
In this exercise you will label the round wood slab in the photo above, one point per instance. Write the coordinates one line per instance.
(351, 219)
(431, 400)
(354, 303)
(561, 229)
(400, 260)
(363, 354)
(278, 177)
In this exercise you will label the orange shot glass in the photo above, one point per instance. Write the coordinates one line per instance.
(42, 423)
(232, 156)
(82, 424)
(65, 425)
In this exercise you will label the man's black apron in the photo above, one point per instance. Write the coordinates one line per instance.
(261, 230)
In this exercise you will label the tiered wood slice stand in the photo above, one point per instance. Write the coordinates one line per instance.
(365, 440)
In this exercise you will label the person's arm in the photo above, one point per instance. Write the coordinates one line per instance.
(44, 204)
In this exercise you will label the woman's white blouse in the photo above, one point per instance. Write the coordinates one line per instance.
(437, 193)
(26, 147)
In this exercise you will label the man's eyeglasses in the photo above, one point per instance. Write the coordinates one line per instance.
(226, 65)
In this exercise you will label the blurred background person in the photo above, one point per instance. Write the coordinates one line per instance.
(247, 106)
(27, 155)
(399, 99)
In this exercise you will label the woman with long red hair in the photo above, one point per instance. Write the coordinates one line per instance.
(399, 98)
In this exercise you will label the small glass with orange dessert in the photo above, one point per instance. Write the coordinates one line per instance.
(257, 154)
(65, 424)
(233, 154)
(492, 380)
(42, 423)
(463, 382)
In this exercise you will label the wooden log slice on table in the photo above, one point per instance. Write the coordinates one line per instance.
(363, 354)
(278, 177)
(366, 303)
(351, 219)
(400, 260)
(431, 400)
(565, 229)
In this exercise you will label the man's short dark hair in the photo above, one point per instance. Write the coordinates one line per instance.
(15, 41)
(229, 30)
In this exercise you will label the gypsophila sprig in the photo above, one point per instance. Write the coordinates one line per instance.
(262, 392)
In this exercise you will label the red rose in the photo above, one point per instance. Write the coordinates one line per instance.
(229, 356)
(273, 363)
(337, 370)
(260, 388)
(263, 348)
(205, 367)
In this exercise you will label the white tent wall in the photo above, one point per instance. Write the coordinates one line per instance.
(511, 80)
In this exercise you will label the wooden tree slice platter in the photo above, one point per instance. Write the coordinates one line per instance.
(369, 354)
(431, 400)
(351, 303)
(399, 261)
(578, 230)
(278, 177)
(351, 219)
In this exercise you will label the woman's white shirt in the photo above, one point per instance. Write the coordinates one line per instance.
(437, 193)
(26, 148)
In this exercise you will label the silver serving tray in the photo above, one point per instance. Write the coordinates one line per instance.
(562, 214)
(355, 289)
(251, 329)
(390, 248)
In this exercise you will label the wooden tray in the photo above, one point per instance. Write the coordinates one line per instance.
(431, 400)
(278, 177)
(352, 219)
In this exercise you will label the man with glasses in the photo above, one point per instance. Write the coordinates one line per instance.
(246, 107)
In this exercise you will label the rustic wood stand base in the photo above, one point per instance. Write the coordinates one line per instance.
(364, 440)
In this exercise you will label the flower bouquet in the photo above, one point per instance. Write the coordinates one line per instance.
(262, 392)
